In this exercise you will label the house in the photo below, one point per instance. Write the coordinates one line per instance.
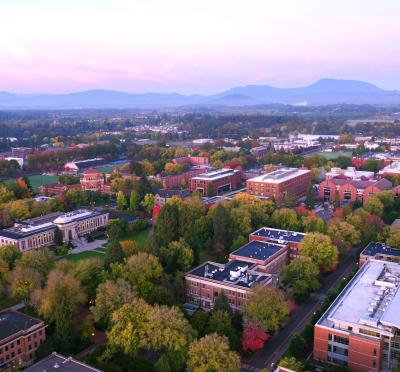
(163, 195)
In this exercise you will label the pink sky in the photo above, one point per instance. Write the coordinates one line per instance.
(192, 46)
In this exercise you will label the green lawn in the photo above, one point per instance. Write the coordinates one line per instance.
(88, 254)
(36, 181)
(141, 237)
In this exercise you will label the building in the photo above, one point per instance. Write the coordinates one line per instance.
(93, 180)
(39, 231)
(57, 189)
(20, 337)
(379, 251)
(259, 151)
(350, 173)
(163, 195)
(216, 182)
(80, 165)
(177, 180)
(350, 191)
(361, 329)
(392, 169)
(21, 152)
(60, 363)
(280, 183)
(291, 239)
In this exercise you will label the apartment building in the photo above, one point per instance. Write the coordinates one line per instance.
(350, 173)
(291, 239)
(216, 182)
(280, 183)
(379, 251)
(39, 231)
(254, 263)
(361, 329)
(20, 337)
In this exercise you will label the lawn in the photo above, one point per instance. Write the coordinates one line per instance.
(140, 237)
(88, 254)
(36, 181)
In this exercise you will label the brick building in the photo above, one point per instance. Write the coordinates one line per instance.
(216, 182)
(176, 180)
(349, 190)
(280, 183)
(39, 231)
(254, 263)
(379, 251)
(93, 180)
(20, 337)
(163, 195)
(57, 189)
(361, 329)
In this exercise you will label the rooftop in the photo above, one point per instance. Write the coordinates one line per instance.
(215, 175)
(60, 363)
(280, 236)
(280, 175)
(236, 272)
(374, 248)
(371, 299)
(258, 250)
(12, 322)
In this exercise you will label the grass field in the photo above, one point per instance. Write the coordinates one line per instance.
(36, 181)
(141, 237)
(88, 254)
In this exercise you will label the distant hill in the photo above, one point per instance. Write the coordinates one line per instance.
(323, 92)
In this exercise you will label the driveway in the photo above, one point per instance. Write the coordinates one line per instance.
(88, 246)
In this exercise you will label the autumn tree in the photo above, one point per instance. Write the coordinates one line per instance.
(129, 247)
(253, 337)
(58, 303)
(88, 272)
(211, 353)
(121, 201)
(393, 239)
(9, 253)
(110, 296)
(291, 363)
(313, 224)
(286, 219)
(148, 203)
(320, 249)
(41, 260)
(267, 307)
(343, 234)
(23, 281)
(4, 270)
(177, 256)
(374, 205)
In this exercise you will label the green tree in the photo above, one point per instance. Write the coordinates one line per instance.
(267, 307)
(211, 353)
(110, 296)
(23, 281)
(148, 203)
(374, 205)
(88, 272)
(167, 225)
(116, 228)
(320, 249)
(114, 252)
(313, 224)
(221, 227)
(220, 322)
(285, 219)
(121, 201)
(393, 239)
(41, 259)
(221, 303)
(19, 209)
(310, 198)
(142, 271)
(134, 201)
(177, 256)
(199, 322)
(343, 234)
(10, 254)
(144, 186)
(5, 194)
(4, 272)
(291, 363)
(58, 303)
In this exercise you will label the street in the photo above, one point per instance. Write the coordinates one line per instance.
(278, 344)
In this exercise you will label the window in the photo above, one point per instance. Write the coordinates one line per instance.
(374, 352)
(349, 328)
(340, 340)
(374, 363)
(369, 333)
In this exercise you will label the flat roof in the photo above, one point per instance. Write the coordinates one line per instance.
(281, 236)
(12, 322)
(59, 362)
(215, 175)
(280, 175)
(374, 248)
(258, 250)
(371, 299)
(234, 272)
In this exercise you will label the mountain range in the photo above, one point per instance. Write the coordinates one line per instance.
(322, 92)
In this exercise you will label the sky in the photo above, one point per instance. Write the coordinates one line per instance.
(195, 46)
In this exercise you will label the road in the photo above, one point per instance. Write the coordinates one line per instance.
(278, 344)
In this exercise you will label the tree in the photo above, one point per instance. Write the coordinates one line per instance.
(58, 303)
(310, 199)
(374, 205)
(111, 296)
(285, 219)
(144, 186)
(116, 228)
(393, 239)
(129, 247)
(211, 353)
(148, 203)
(6, 195)
(58, 238)
(221, 303)
(134, 201)
(19, 209)
(343, 235)
(221, 226)
(305, 272)
(220, 322)
(177, 256)
(41, 259)
(291, 363)
(199, 322)
(167, 225)
(114, 252)
(336, 200)
(4, 272)
(88, 272)
(23, 281)
(121, 201)
(142, 271)
(9, 253)
(267, 307)
(253, 337)
(320, 249)
(313, 224)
